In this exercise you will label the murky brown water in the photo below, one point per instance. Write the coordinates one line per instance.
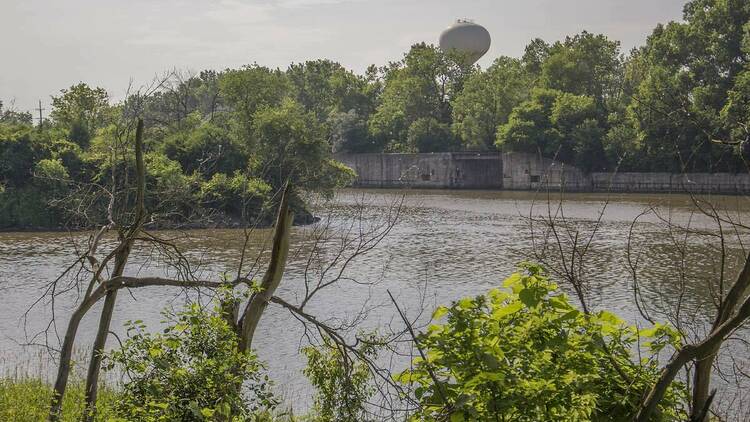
(447, 244)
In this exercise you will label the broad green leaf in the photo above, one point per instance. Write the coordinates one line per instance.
(506, 310)
(440, 312)
(513, 280)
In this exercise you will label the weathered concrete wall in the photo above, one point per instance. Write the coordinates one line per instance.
(530, 172)
(436, 170)
(666, 182)
(520, 171)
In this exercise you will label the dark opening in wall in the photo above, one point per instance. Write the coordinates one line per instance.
(534, 178)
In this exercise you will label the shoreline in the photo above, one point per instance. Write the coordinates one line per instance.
(299, 221)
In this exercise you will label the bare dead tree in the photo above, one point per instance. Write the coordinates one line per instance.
(699, 355)
(727, 294)
(108, 288)
(352, 242)
(126, 239)
(700, 352)
(329, 248)
(562, 244)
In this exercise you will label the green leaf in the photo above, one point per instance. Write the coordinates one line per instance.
(498, 296)
(457, 417)
(440, 312)
(570, 315)
(513, 280)
(466, 303)
(506, 310)
(529, 297)
(560, 302)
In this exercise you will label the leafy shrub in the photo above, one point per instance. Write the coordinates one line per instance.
(192, 371)
(349, 133)
(234, 194)
(204, 147)
(72, 157)
(27, 207)
(170, 191)
(17, 155)
(52, 170)
(526, 354)
(342, 383)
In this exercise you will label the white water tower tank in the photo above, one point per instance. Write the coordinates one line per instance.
(466, 37)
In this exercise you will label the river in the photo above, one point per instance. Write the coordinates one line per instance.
(445, 245)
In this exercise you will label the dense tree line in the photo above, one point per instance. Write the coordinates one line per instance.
(217, 146)
(221, 141)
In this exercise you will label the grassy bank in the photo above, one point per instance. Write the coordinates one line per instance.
(27, 400)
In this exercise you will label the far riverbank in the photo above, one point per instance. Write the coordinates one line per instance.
(524, 172)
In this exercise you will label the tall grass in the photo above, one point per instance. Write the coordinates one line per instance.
(26, 390)
(26, 387)
(27, 400)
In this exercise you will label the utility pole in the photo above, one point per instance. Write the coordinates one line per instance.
(40, 109)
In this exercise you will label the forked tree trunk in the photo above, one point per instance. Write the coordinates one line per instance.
(704, 366)
(690, 353)
(97, 294)
(701, 385)
(92, 376)
(63, 370)
(121, 260)
(271, 279)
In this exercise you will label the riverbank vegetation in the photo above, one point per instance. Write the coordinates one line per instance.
(521, 351)
(216, 148)
(219, 141)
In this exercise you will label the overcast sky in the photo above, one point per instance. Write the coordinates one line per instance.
(46, 45)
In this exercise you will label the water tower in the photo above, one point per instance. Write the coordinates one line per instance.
(467, 38)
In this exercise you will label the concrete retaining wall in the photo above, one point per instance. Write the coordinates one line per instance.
(531, 172)
(667, 182)
(438, 170)
(520, 171)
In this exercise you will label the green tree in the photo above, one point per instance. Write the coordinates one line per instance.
(204, 146)
(736, 114)
(556, 124)
(524, 353)
(290, 145)
(189, 372)
(15, 117)
(529, 128)
(183, 95)
(585, 64)
(486, 101)
(250, 89)
(691, 69)
(18, 153)
(534, 56)
(326, 87)
(348, 133)
(81, 110)
(422, 85)
(427, 134)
